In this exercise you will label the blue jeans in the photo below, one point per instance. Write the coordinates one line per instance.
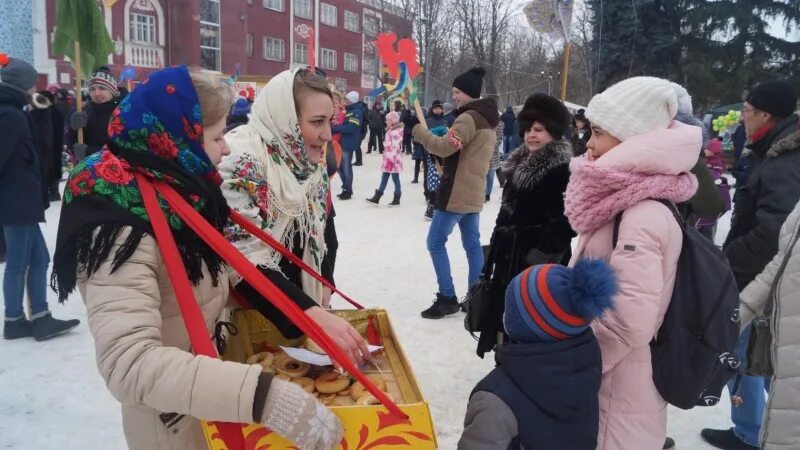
(385, 181)
(441, 227)
(508, 143)
(489, 182)
(747, 417)
(346, 171)
(26, 253)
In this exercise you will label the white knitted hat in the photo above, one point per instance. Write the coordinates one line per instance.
(634, 106)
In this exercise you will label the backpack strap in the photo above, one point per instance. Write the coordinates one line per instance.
(617, 222)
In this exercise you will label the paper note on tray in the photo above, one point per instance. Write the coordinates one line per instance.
(316, 359)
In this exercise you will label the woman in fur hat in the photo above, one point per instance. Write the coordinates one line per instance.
(531, 227)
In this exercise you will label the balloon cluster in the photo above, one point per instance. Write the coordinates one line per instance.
(726, 121)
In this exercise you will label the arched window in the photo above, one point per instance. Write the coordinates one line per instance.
(144, 33)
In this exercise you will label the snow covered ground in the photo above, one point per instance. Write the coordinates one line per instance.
(52, 397)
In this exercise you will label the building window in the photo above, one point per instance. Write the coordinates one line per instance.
(210, 54)
(327, 59)
(368, 66)
(341, 84)
(300, 53)
(328, 14)
(350, 62)
(273, 49)
(143, 29)
(371, 26)
(351, 21)
(249, 45)
(302, 8)
(275, 5)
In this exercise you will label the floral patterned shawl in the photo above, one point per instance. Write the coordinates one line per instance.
(157, 131)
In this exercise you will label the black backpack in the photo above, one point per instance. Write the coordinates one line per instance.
(693, 350)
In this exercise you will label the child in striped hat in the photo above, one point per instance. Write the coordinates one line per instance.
(543, 394)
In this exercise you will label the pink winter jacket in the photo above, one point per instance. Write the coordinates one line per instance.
(632, 413)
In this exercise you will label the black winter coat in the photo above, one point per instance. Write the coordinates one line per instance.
(508, 118)
(531, 227)
(764, 203)
(377, 120)
(48, 133)
(95, 134)
(23, 196)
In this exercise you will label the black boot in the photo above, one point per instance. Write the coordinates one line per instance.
(429, 212)
(725, 439)
(345, 195)
(442, 306)
(376, 198)
(47, 327)
(669, 444)
(15, 329)
(395, 200)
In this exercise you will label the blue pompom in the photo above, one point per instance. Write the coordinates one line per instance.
(594, 285)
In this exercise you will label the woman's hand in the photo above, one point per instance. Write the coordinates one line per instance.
(326, 297)
(342, 333)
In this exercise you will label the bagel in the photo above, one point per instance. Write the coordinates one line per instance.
(369, 399)
(282, 356)
(292, 367)
(283, 377)
(306, 383)
(331, 383)
(327, 400)
(312, 346)
(357, 390)
(344, 393)
(265, 359)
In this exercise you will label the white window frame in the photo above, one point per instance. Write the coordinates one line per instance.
(303, 53)
(326, 56)
(352, 21)
(275, 5)
(351, 62)
(219, 38)
(274, 49)
(143, 28)
(327, 10)
(300, 8)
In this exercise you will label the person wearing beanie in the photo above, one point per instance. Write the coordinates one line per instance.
(23, 200)
(531, 227)
(350, 131)
(377, 128)
(466, 150)
(582, 134)
(637, 156)
(95, 116)
(238, 115)
(761, 208)
(392, 159)
(543, 394)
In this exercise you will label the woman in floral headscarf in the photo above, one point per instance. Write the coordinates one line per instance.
(275, 176)
(169, 129)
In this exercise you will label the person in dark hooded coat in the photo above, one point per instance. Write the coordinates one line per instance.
(544, 392)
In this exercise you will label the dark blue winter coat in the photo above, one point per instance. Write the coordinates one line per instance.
(350, 129)
(551, 389)
(508, 118)
(23, 197)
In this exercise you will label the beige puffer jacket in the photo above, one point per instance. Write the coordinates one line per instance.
(144, 355)
(781, 426)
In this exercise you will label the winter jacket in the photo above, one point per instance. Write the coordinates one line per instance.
(23, 195)
(466, 149)
(350, 129)
(145, 357)
(550, 389)
(508, 118)
(632, 413)
(531, 227)
(779, 428)
(579, 140)
(377, 120)
(393, 151)
(48, 133)
(95, 134)
(764, 203)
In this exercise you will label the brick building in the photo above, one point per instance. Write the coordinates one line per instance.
(260, 38)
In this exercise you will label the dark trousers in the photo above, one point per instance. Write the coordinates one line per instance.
(376, 136)
(407, 143)
(417, 166)
(358, 151)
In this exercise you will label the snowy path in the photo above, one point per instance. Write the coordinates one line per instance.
(52, 397)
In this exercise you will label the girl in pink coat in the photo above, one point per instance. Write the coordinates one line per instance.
(637, 153)
(392, 159)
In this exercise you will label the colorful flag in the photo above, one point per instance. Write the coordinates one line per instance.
(80, 21)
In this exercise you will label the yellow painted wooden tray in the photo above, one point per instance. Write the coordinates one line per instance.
(366, 427)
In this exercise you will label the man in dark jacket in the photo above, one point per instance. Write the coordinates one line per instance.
(762, 206)
(23, 199)
(350, 130)
(466, 149)
(508, 120)
(95, 117)
(377, 127)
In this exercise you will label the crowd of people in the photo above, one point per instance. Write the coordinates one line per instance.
(570, 327)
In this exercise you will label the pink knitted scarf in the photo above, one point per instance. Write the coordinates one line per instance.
(595, 194)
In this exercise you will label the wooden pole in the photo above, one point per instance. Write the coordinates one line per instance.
(565, 71)
(78, 93)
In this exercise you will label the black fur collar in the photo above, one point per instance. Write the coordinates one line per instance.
(526, 169)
